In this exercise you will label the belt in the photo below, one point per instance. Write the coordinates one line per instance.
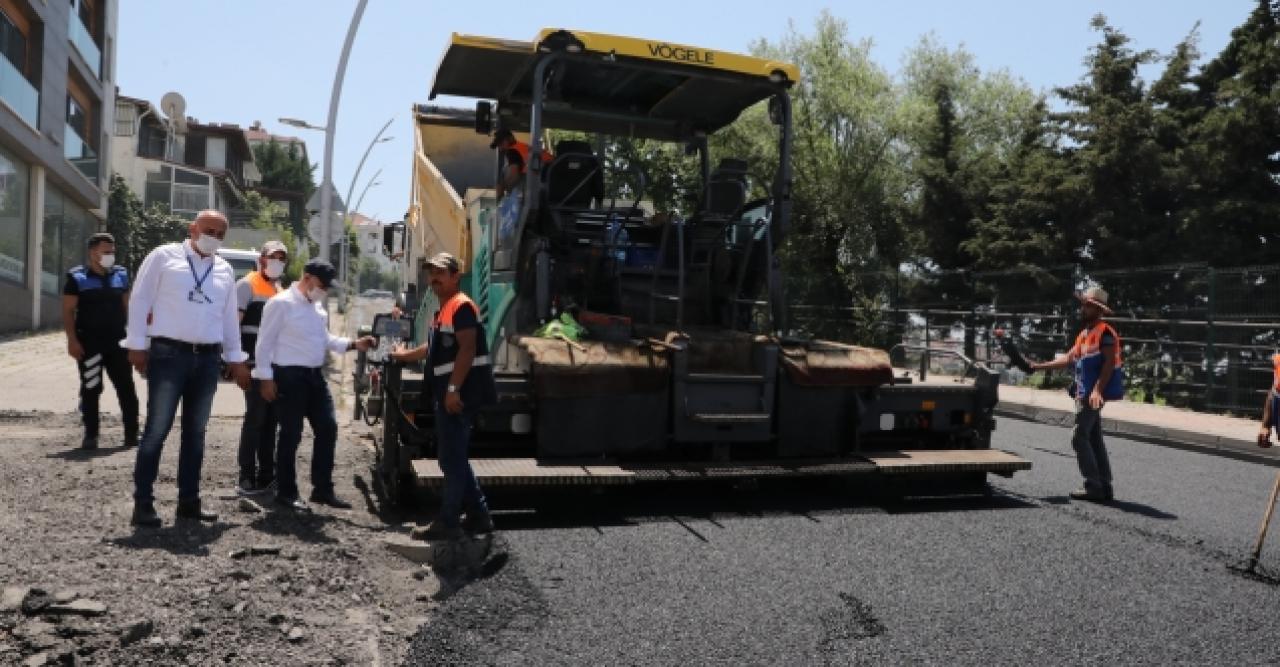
(309, 369)
(198, 348)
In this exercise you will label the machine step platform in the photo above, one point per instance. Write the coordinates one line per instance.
(530, 472)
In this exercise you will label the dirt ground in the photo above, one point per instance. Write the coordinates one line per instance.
(81, 586)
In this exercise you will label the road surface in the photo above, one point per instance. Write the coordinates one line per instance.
(816, 574)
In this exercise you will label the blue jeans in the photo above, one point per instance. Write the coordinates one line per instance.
(453, 435)
(175, 374)
(1091, 452)
(303, 393)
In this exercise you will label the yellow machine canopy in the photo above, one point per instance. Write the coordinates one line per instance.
(611, 84)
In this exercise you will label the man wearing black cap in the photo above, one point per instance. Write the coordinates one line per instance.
(95, 299)
(293, 341)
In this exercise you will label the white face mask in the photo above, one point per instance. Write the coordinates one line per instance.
(207, 245)
(107, 261)
(274, 268)
(316, 293)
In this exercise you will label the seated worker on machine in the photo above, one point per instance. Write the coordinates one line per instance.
(515, 154)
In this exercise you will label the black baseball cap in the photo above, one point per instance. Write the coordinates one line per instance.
(499, 136)
(322, 270)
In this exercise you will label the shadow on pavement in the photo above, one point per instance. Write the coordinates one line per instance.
(813, 500)
(79, 454)
(188, 538)
(1128, 506)
(302, 526)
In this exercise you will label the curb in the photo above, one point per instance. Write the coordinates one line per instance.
(1236, 448)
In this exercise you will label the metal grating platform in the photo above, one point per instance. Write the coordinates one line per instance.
(901, 462)
(529, 472)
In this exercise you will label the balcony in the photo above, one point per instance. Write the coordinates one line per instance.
(84, 43)
(80, 154)
(18, 93)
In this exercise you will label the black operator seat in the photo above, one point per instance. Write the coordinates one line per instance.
(575, 177)
(727, 189)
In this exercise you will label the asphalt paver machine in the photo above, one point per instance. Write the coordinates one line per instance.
(688, 369)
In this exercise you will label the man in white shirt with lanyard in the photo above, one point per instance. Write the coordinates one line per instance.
(189, 293)
(293, 340)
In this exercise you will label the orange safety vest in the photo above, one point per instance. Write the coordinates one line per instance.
(263, 290)
(444, 354)
(1275, 377)
(1087, 355)
(523, 150)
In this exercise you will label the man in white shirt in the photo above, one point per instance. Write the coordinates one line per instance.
(189, 294)
(293, 341)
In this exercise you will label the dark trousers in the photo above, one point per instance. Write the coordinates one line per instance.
(103, 356)
(175, 374)
(1091, 451)
(453, 437)
(257, 456)
(302, 393)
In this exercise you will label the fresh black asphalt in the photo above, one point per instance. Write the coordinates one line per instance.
(821, 573)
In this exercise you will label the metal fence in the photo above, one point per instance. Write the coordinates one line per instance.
(1193, 336)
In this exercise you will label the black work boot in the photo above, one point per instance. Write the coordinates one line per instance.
(89, 442)
(144, 514)
(131, 437)
(190, 509)
(477, 523)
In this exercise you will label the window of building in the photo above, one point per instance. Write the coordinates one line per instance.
(216, 153)
(151, 142)
(195, 150)
(14, 40)
(126, 117)
(66, 228)
(78, 117)
(15, 181)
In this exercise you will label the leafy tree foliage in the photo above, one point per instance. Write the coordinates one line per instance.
(137, 230)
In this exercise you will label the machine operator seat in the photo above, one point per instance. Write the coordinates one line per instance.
(575, 177)
(727, 189)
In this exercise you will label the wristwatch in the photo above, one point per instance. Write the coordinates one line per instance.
(452, 389)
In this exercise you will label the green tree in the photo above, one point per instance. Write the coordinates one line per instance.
(1232, 157)
(283, 168)
(137, 230)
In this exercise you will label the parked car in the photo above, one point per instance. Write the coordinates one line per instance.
(243, 261)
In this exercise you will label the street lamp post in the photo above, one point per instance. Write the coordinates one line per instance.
(373, 180)
(326, 185)
(377, 139)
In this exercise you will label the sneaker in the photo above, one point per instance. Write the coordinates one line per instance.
(437, 531)
(478, 523)
(1088, 494)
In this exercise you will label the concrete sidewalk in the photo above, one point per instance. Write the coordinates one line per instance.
(1215, 434)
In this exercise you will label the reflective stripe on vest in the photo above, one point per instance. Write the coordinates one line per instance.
(445, 369)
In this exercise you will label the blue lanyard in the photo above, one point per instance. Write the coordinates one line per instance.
(199, 279)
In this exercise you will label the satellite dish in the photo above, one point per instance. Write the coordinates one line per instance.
(175, 107)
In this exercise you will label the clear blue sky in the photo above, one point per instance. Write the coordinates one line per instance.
(237, 61)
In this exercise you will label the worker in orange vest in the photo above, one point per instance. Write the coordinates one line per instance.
(257, 454)
(1270, 409)
(457, 357)
(515, 154)
(1095, 359)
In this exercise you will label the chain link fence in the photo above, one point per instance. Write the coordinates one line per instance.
(1193, 336)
